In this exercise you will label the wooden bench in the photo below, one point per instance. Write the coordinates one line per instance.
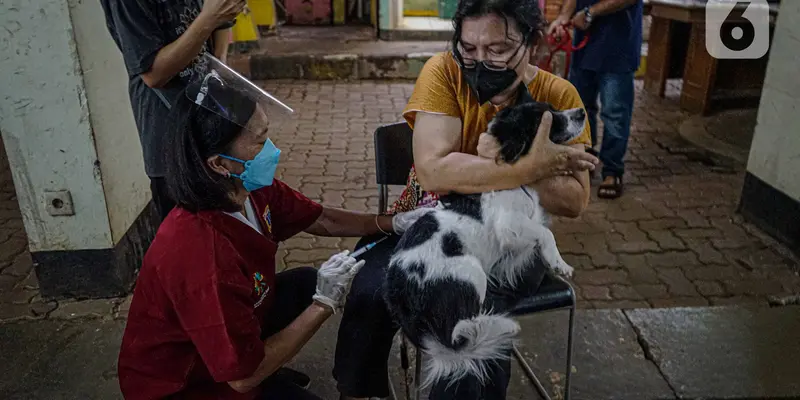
(677, 49)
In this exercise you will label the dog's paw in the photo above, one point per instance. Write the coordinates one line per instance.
(564, 269)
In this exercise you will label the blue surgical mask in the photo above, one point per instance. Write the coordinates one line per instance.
(260, 171)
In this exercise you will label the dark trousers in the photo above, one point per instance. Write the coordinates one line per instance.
(293, 291)
(616, 94)
(367, 330)
(161, 197)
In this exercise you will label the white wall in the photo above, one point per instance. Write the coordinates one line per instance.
(775, 152)
(126, 187)
(390, 13)
(67, 123)
(385, 13)
(44, 119)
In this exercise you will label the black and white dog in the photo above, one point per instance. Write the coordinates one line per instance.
(438, 276)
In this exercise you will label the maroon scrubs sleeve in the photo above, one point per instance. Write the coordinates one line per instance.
(291, 212)
(215, 308)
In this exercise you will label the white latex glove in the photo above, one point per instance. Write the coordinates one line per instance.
(334, 278)
(402, 221)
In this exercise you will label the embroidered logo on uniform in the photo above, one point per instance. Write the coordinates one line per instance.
(261, 288)
(267, 216)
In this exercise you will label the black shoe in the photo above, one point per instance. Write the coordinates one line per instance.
(295, 377)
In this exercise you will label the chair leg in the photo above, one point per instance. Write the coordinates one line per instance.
(526, 368)
(383, 198)
(569, 351)
(404, 364)
(392, 392)
(417, 374)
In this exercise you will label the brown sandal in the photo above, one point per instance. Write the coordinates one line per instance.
(611, 191)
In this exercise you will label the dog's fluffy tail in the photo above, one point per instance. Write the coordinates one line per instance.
(476, 343)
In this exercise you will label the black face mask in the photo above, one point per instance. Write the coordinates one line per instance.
(487, 83)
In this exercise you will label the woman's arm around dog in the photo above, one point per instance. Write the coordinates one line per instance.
(442, 168)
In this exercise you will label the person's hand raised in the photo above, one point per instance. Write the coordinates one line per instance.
(546, 159)
(222, 11)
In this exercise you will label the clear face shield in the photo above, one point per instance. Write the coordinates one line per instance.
(225, 92)
(236, 99)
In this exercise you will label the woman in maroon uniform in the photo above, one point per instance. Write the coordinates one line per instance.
(210, 318)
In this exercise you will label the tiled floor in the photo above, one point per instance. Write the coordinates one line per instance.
(673, 239)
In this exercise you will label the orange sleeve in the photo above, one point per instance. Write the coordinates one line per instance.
(564, 96)
(435, 90)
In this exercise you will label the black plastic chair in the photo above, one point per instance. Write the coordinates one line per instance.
(393, 160)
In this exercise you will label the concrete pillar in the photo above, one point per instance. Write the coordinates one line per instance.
(73, 147)
(388, 17)
(771, 194)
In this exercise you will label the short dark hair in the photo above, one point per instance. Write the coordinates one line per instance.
(525, 13)
(195, 134)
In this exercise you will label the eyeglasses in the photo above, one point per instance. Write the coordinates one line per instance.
(493, 65)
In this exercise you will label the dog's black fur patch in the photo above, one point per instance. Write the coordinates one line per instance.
(429, 311)
(465, 204)
(451, 245)
(417, 269)
(422, 230)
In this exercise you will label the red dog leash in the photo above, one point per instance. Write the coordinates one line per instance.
(565, 45)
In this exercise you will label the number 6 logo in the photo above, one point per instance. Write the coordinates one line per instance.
(737, 29)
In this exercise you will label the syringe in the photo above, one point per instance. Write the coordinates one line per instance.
(367, 247)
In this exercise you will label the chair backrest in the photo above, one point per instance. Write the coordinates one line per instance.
(393, 153)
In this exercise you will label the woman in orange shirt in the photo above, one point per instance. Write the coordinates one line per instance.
(456, 95)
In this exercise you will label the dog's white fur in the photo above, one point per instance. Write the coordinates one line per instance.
(513, 233)
(497, 248)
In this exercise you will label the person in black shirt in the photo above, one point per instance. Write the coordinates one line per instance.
(161, 42)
